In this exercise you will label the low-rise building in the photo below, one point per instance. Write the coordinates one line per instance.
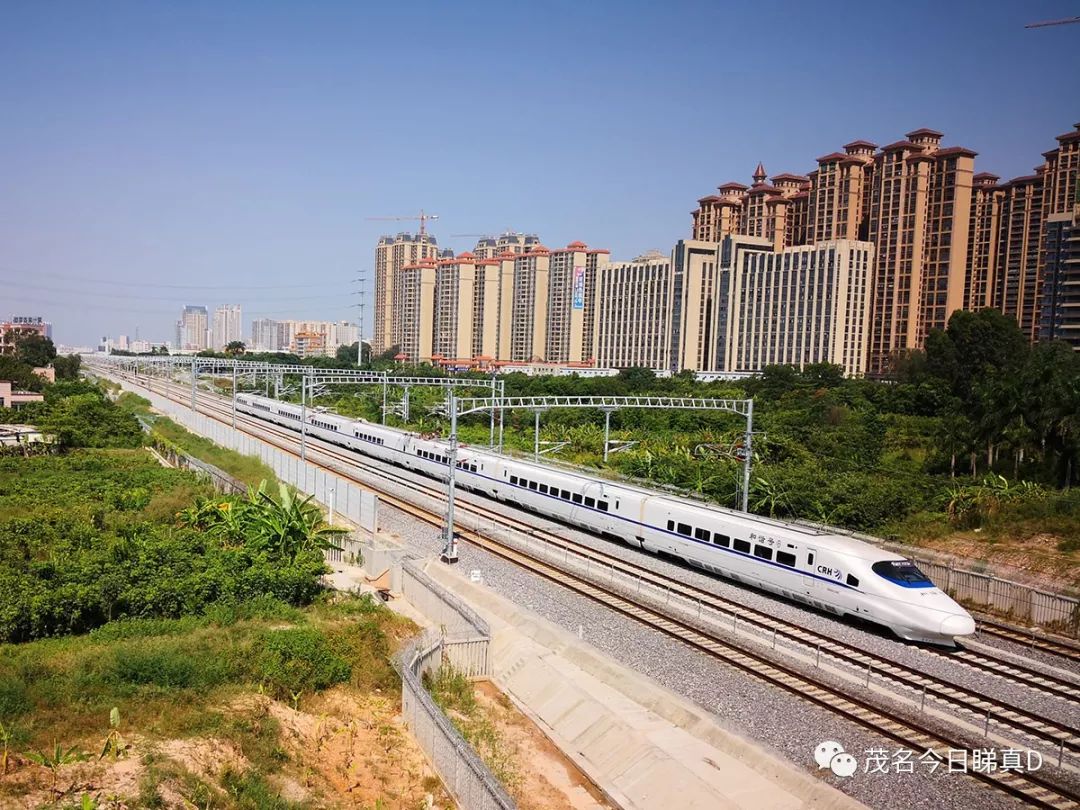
(11, 397)
(309, 344)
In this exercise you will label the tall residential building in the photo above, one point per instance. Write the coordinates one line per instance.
(632, 314)
(778, 211)
(264, 335)
(391, 254)
(840, 193)
(414, 293)
(571, 281)
(983, 241)
(737, 305)
(1016, 288)
(191, 329)
(920, 213)
(227, 326)
(800, 305)
(517, 306)
(454, 311)
(1060, 312)
(490, 246)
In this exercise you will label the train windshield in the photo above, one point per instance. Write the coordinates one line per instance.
(902, 572)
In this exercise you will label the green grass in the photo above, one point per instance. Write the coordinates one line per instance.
(248, 469)
(176, 678)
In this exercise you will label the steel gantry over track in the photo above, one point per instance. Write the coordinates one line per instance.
(313, 380)
(456, 407)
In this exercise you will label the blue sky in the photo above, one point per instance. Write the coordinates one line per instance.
(154, 154)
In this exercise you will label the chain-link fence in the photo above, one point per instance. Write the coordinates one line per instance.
(468, 779)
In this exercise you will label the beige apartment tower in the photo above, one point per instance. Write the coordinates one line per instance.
(632, 313)
(920, 215)
(392, 253)
(987, 197)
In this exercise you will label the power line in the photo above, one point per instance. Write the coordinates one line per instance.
(178, 297)
(17, 275)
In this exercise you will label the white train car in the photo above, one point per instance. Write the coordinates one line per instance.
(831, 572)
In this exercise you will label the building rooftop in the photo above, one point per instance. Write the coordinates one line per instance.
(900, 145)
(799, 178)
(857, 144)
(733, 186)
(576, 246)
(924, 132)
(955, 150)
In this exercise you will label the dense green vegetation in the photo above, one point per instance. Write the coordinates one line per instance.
(248, 469)
(77, 413)
(95, 536)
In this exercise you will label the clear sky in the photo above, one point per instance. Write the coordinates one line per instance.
(154, 154)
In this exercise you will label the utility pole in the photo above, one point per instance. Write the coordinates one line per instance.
(303, 418)
(749, 456)
(361, 280)
(450, 552)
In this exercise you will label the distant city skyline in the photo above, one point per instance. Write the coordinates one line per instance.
(158, 155)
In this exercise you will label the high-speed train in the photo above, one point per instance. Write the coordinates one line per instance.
(831, 572)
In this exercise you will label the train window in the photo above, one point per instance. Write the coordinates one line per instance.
(852, 581)
(577, 498)
(810, 558)
(902, 572)
(784, 558)
(721, 540)
(684, 528)
(671, 525)
(543, 488)
(566, 494)
(764, 552)
(590, 502)
(532, 485)
(702, 534)
(743, 546)
(616, 504)
(601, 505)
(513, 479)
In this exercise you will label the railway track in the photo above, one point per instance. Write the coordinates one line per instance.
(1061, 647)
(913, 733)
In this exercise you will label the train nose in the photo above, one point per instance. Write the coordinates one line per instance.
(957, 625)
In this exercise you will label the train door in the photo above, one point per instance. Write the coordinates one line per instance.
(809, 582)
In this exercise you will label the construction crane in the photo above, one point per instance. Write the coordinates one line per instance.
(422, 217)
(507, 232)
(1048, 23)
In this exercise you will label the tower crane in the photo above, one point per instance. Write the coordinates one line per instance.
(507, 232)
(1048, 23)
(422, 217)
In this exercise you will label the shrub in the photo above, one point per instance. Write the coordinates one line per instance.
(299, 659)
